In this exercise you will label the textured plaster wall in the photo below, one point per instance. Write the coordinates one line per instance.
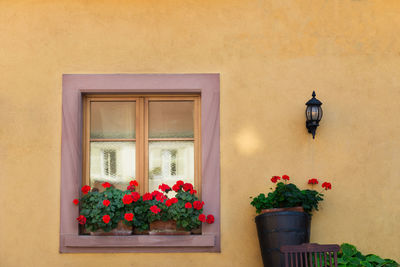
(271, 54)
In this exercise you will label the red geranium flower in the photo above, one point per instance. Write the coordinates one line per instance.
(313, 181)
(274, 179)
(128, 216)
(176, 187)
(106, 185)
(127, 199)
(155, 209)
(161, 197)
(174, 200)
(187, 187)
(106, 202)
(106, 219)
(180, 183)
(198, 205)
(210, 219)
(75, 201)
(192, 191)
(135, 196)
(85, 189)
(155, 193)
(147, 196)
(168, 203)
(188, 205)
(81, 219)
(202, 217)
(327, 185)
(134, 183)
(164, 187)
(285, 177)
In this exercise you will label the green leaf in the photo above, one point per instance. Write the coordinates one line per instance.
(348, 250)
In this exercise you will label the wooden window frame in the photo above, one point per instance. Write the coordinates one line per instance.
(75, 87)
(142, 139)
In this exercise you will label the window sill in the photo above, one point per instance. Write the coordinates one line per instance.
(138, 243)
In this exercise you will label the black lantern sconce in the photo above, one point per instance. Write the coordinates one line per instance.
(313, 114)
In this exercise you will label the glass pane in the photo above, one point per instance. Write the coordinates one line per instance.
(171, 119)
(112, 162)
(170, 161)
(112, 120)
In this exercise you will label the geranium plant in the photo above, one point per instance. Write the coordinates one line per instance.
(185, 208)
(287, 195)
(104, 210)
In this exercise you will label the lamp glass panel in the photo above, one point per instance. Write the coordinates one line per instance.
(314, 113)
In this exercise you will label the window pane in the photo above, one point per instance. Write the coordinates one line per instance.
(112, 120)
(171, 119)
(170, 161)
(112, 162)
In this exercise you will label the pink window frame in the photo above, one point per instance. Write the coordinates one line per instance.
(74, 87)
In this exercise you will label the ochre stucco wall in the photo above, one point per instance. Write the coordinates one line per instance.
(270, 54)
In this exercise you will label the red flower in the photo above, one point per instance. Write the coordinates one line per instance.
(161, 197)
(210, 219)
(164, 187)
(155, 193)
(274, 179)
(135, 196)
(176, 187)
(155, 209)
(127, 199)
(75, 201)
(81, 219)
(128, 216)
(106, 202)
(106, 185)
(187, 187)
(188, 205)
(313, 181)
(85, 189)
(147, 196)
(180, 183)
(168, 203)
(202, 217)
(327, 185)
(198, 205)
(192, 191)
(285, 177)
(134, 183)
(130, 188)
(106, 219)
(174, 200)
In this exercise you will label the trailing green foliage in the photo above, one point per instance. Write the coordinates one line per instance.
(286, 196)
(349, 256)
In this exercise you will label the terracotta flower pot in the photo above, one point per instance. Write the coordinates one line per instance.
(122, 229)
(166, 228)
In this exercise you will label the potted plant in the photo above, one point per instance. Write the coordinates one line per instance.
(285, 216)
(104, 213)
(162, 215)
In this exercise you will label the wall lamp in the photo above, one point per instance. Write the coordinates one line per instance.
(313, 114)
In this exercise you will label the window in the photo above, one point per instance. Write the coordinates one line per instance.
(154, 139)
(162, 145)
